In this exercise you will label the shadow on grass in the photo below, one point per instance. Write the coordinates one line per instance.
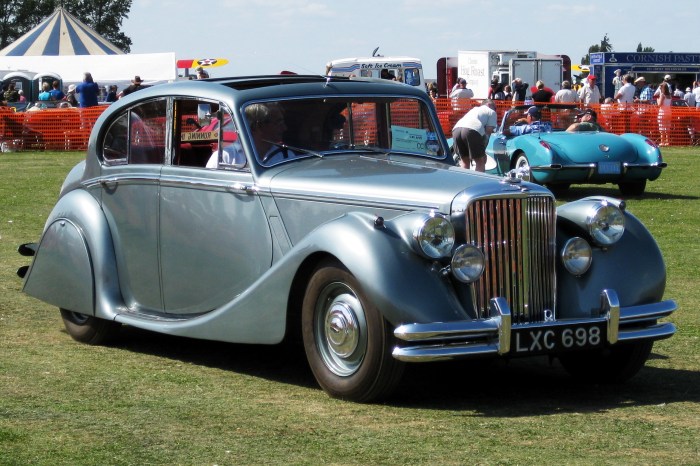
(580, 191)
(520, 387)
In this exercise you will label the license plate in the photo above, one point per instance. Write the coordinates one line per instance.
(557, 338)
(609, 168)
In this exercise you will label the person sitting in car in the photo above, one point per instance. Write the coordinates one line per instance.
(532, 123)
(267, 127)
(588, 122)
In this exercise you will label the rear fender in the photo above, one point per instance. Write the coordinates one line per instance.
(74, 266)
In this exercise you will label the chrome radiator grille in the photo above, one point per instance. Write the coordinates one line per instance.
(517, 237)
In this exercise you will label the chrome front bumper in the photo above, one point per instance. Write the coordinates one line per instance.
(463, 339)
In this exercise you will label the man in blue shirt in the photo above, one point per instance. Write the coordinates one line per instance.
(646, 94)
(533, 115)
(87, 92)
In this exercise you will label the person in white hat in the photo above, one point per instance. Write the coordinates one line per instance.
(70, 96)
(618, 81)
(646, 95)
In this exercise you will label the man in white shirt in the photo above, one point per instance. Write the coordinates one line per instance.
(696, 92)
(566, 94)
(459, 93)
(589, 93)
(470, 135)
(626, 93)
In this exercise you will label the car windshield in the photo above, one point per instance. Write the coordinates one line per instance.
(290, 129)
(559, 117)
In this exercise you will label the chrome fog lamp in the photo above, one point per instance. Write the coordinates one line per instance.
(577, 256)
(434, 236)
(606, 223)
(467, 263)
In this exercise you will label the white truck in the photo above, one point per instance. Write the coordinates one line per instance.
(408, 70)
(479, 67)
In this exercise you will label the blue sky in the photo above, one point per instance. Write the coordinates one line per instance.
(268, 36)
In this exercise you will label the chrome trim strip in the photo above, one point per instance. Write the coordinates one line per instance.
(644, 312)
(591, 166)
(655, 332)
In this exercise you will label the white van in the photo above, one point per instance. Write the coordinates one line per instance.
(404, 69)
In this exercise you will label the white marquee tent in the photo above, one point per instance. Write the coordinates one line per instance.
(64, 45)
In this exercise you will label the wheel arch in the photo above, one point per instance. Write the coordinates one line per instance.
(404, 286)
(74, 266)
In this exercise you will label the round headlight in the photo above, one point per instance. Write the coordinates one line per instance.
(434, 237)
(577, 256)
(467, 263)
(606, 224)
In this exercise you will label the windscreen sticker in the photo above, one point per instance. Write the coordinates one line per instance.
(410, 139)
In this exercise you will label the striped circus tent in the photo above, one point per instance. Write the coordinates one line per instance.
(60, 34)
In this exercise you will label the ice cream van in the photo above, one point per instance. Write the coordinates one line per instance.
(404, 69)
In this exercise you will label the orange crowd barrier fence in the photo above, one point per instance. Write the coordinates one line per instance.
(69, 129)
(57, 129)
(677, 126)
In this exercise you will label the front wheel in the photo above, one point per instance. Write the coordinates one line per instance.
(88, 329)
(611, 365)
(347, 341)
(522, 166)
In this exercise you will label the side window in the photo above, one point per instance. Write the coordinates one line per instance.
(200, 138)
(137, 136)
(115, 148)
(147, 132)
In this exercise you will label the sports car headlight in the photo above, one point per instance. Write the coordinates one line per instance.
(434, 237)
(606, 223)
(577, 256)
(467, 263)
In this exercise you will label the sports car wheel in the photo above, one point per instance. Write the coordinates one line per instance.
(523, 164)
(632, 188)
(88, 329)
(611, 365)
(347, 341)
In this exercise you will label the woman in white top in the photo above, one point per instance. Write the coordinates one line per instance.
(664, 102)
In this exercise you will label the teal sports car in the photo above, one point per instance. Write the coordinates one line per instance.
(559, 158)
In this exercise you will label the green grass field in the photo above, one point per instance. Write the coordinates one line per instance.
(154, 399)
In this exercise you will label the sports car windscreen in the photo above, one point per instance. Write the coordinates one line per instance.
(286, 130)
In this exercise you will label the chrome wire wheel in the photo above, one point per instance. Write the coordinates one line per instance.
(340, 329)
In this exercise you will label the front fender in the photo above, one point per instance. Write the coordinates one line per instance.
(404, 286)
(74, 266)
(633, 267)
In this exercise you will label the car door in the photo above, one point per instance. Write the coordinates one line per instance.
(214, 237)
(133, 152)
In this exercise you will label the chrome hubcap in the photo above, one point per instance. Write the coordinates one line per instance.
(342, 332)
(340, 329)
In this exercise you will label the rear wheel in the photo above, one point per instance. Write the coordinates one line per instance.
(347, 341)
(632, 188)
(610, 365)
(88, 329)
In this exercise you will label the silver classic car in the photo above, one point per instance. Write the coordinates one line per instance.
(256, 209)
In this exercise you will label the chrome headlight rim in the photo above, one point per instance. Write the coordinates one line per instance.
(577, 256)
(434, 236)
(468, 263)
(605, 223)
